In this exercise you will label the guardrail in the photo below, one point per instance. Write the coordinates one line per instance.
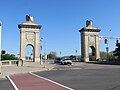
(9, 62)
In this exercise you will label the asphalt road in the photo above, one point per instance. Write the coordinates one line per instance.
(86, 79)
(80, 76)
(5, 85)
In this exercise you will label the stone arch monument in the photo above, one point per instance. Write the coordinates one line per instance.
(30, 35)
(89, 39)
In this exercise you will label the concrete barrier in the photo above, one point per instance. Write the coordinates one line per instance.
(8, 62)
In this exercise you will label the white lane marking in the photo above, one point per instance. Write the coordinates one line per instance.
(12, 83)
(52, 81)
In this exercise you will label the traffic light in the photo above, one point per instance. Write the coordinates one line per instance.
(117, 41)
(105, 41)
(3, 52)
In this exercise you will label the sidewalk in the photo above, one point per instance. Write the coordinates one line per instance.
(28, 67)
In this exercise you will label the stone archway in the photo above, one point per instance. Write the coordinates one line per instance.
(30, 54)
(89, 38)
(30, 35)
(92, 53)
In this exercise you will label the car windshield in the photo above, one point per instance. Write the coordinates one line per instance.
(65, 59)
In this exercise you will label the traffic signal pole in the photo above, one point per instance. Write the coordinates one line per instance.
(107, 50)
(106, 42)
(107, 37)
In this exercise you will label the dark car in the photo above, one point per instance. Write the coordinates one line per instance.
(57, 60)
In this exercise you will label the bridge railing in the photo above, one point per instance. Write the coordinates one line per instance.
(8, 62)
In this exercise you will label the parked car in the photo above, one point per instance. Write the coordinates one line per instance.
(66, 62)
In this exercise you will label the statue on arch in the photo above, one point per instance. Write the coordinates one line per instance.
(29, 18)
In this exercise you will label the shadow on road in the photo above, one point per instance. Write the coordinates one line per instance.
(106, 62)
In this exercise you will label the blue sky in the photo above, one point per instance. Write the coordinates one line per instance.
(61, 20)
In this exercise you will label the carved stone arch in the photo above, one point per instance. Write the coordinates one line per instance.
(30, 35)
(92, 55)
(93, 50)
(33, 51)
(89, 38)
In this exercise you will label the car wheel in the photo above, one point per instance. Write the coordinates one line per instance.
(69, 63)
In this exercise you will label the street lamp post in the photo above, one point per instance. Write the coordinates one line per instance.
(41, 51)
(44, 54)
(76, 54)
(107, 48)
(60, 54)
(0, 47)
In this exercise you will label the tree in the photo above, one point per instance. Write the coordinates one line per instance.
(103, 55)
(109, 56)
(52, 55)
(72, 57)
(117, 50)
(8, 57)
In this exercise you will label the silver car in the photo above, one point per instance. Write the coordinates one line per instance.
(66, 62)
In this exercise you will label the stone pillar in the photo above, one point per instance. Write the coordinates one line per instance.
(86, 57)
(84, 47)
(37, 47)
(97, 48)
(22, 45)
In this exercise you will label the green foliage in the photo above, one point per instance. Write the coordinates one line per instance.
(117, 50)
(52, 55)
(103, 55)
(72, 57)
(106, 56)
(8, 57)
